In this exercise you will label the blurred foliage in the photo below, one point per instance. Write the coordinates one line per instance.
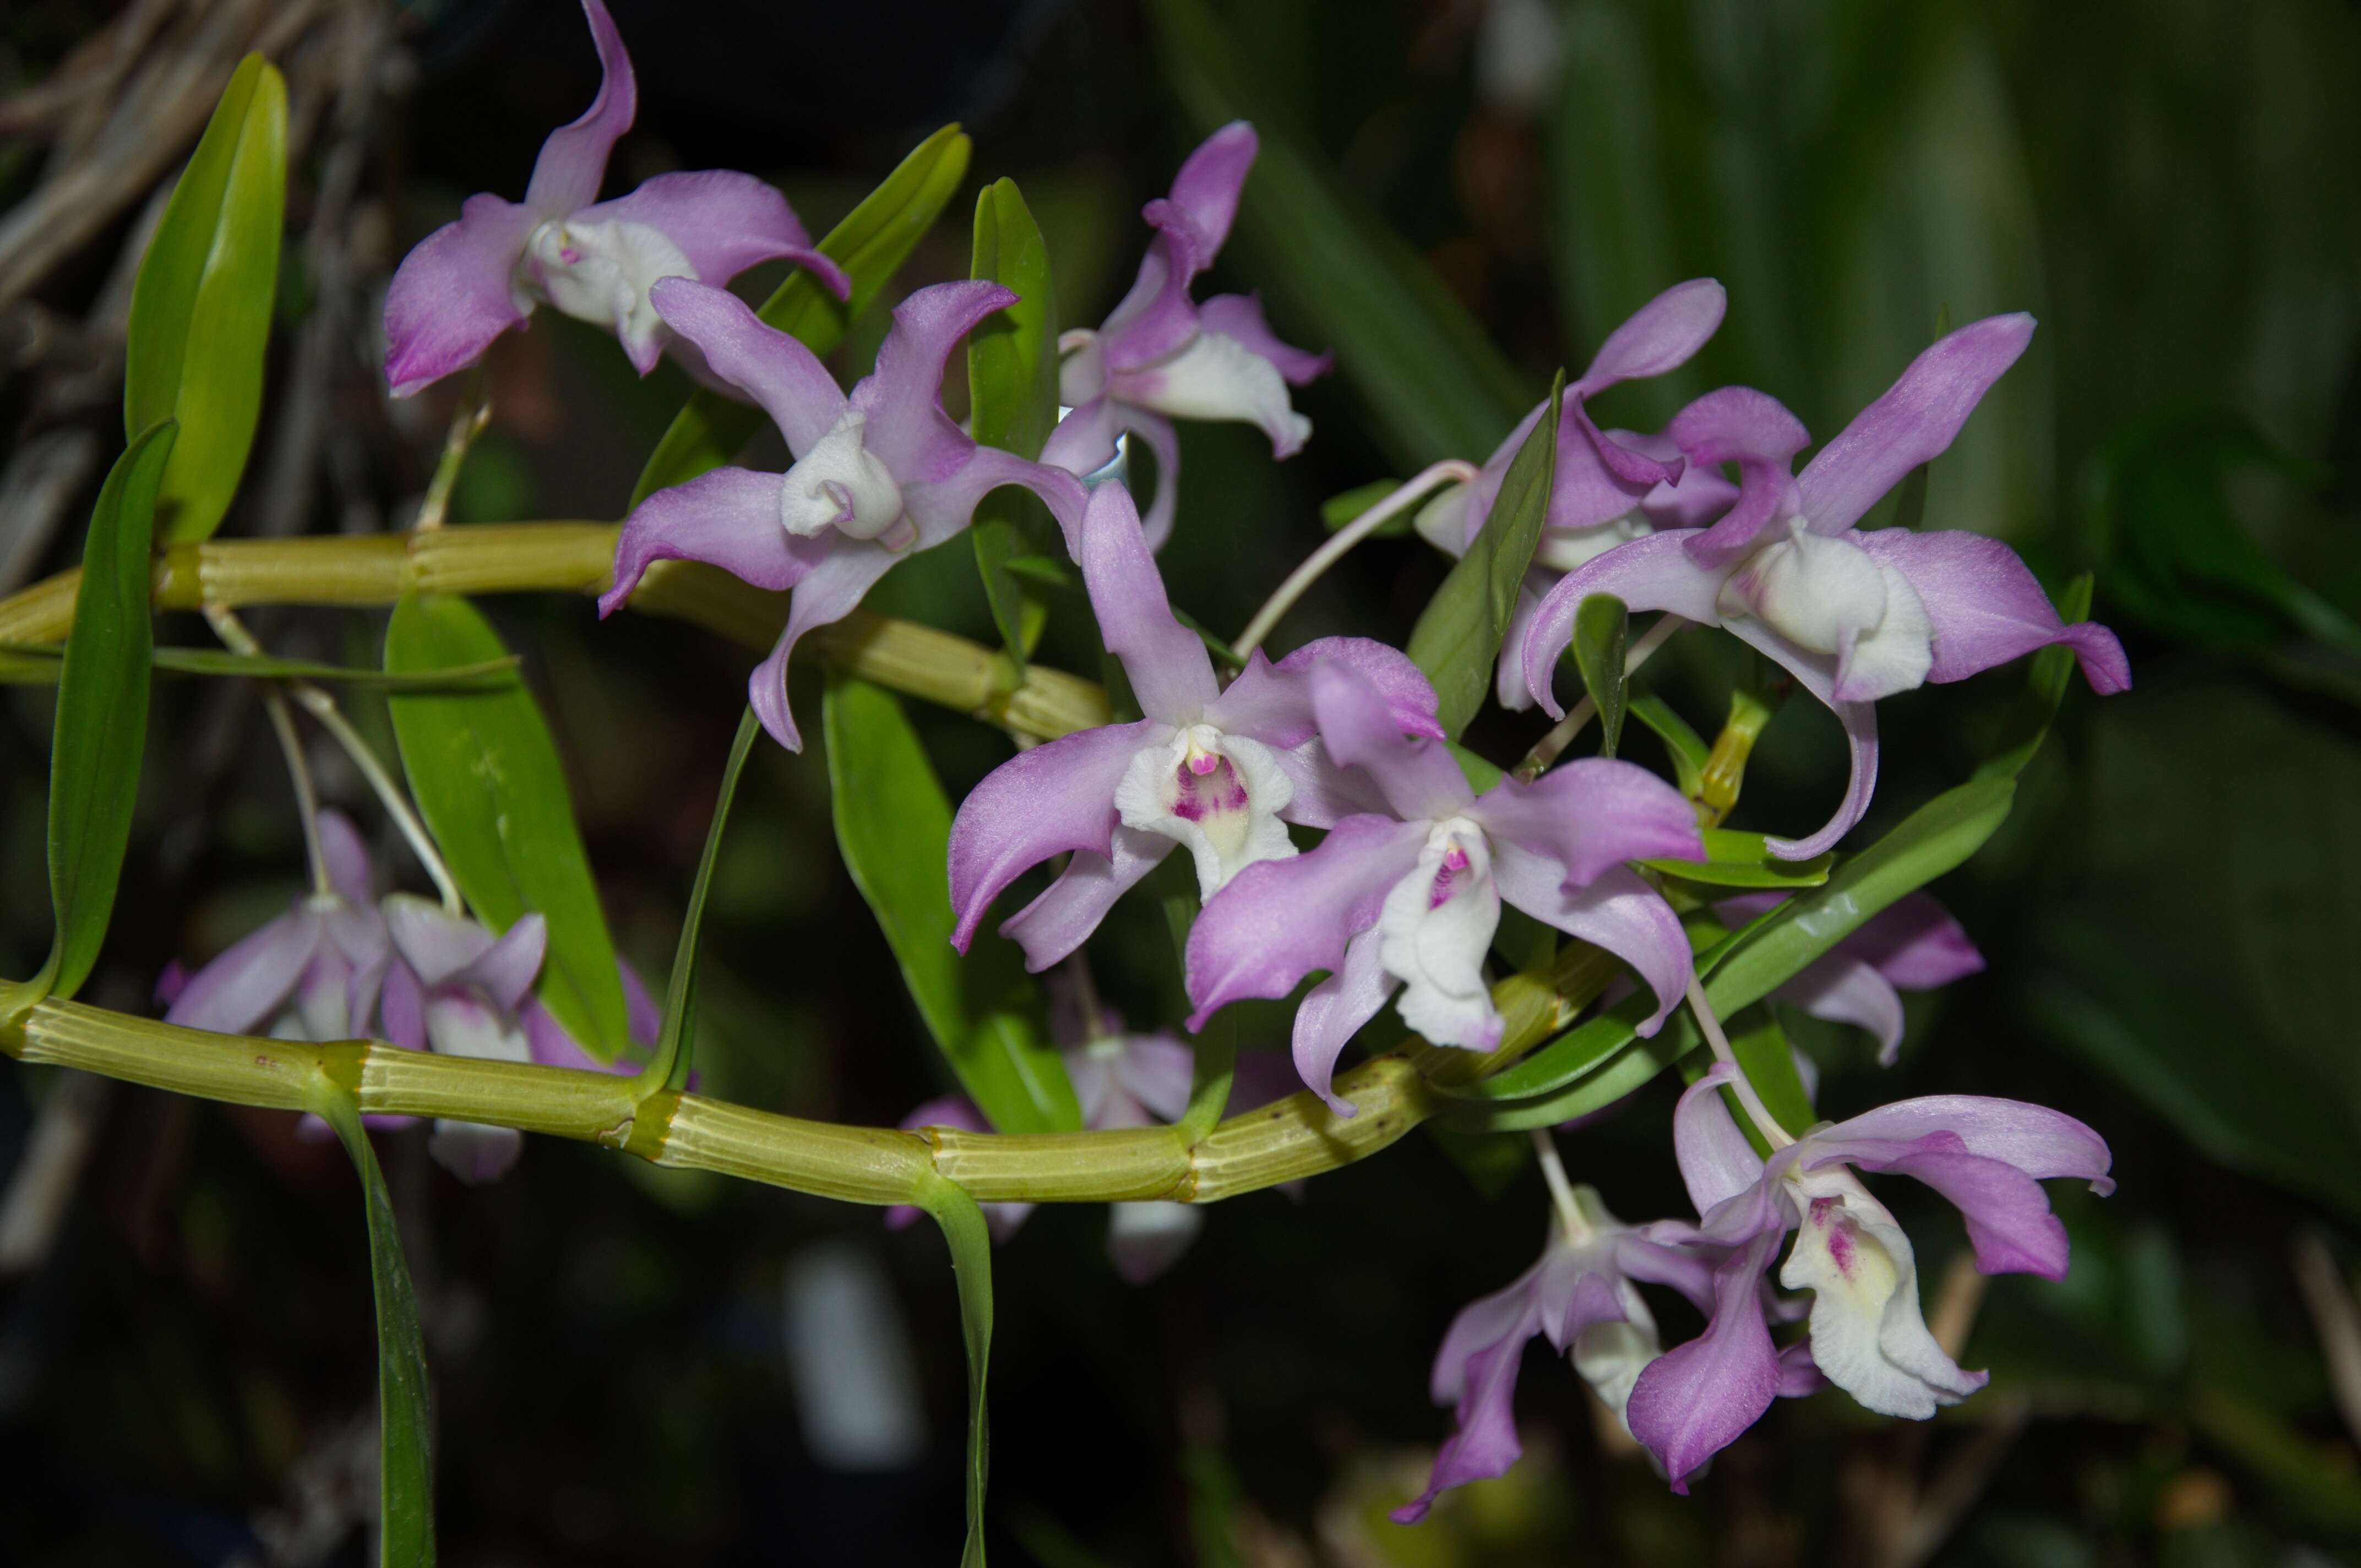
(2172, 186)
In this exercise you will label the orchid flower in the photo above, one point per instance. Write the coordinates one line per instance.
(1853, 616)
(1868, 1336)
(471, 281)
(455, 989)
(311, 974)
(1599, 498)
(1582, 1296)
(1161, 356)
(877, 476)
(1410, 896)
(1913, 944)
(1220, 772)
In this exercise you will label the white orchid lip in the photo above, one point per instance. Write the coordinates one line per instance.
(841, 484)
(1217, 794)
(1566, 549)
(1216, 376)
(1827, 595)
(1433, 931)
(600, 273)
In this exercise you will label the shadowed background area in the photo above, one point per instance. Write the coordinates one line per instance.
(1456, 196)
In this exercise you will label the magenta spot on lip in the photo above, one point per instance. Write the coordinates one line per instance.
(1213, 788)
(569, 256)
(1203, 762)
(1455, 859)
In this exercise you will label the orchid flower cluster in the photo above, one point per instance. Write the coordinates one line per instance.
(1340, 855)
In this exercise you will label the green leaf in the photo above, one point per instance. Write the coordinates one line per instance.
(102, 723)
(892, 825)
(40, 663)
(971, 1244)
(1745, 859)
(202, 305)
(404, 1405)
(1339, 510)
(2028, 724)
(1602, 631)
(1687, 747)
(1458, 636)
(1598, 1061)
(486, 778)
(1011, 380)
(870, 245)
(1435, 383)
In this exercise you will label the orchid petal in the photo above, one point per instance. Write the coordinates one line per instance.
(1156, 318)
(1590, 814)
(1842, 989)
(1143, 1239)
(1418, 776)
(1915, 943)
(1914, 422)
(902, 397)
(1483, 1443)
(729, 518)
(1171, 674)
(506, 969)
(1812, 672)
(345, 857)
(1332, 1011)
(1753, 430)
(2039, 1141)
(724, 222)
(1083, 442)
(1206, 191)
(1869, 1336)
(1056, 799)
(1616, 911)
(1684, 1269)
(1158, 1071)
(1985, 607)
(1695, 1399)
(1239, 318)
(1164, 441)
(1212, 377)
(1273, 702)
(1054, 925)
(765, 363)
(1717, 1162)
(1280, 920)
(1636, 468)
(252, 977)
(402, 1008)
(1799, 1374)
(1660, 336)
(942, 508)
(1508, 673)
(434, 945)
(2007, 1214)
(453, 293)
(1654, 573)
(573, 161)
(831, 590)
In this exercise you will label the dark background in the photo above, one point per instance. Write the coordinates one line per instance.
(2171, 914)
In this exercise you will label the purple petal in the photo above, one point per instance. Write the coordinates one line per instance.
(1843, 989)
(1324, 794)
(1240, 317)
(1164, 441)
(1278, 920)
(724, 222)
(573, 162)
(767, 365)
(1159, 1071)
(1986, 609)
(1684, 1269)
(902, 397)
(1171, 674)
(1914, 422)
(1272, 703)
(435, 946)
(348, 858)
(1156, 318)
(1054, 925)
(942, 508)
(1632, 467)
(1146, 1239)
(2007, 1214)
(1694, 1400)
(1484, 1442)
(1056, 799)
(1482, 1322)
(1654, 573)
(1590, 814)
(2037, 1140)
(1915, 943)
(729, 518)
(831, 590)
(452, 294)
(1753, 430)
(1206, 191)
(1814, 674)
(403, 1008)
(1717, 1162)
(252, 977)
(1332, 1011)
(1616, 911)
(1083, 442)
(1799, 1374)
(1507, 672)
(552, 1045)
(506, 969)
(1418, 776)
(1661, 336)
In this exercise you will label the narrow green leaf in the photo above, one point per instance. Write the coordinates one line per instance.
(1601, 1059)
(2028, 724)
(201, 304)
(971, 1244)
(1745, 859)
(102, 723)
(1436, 382)
(1011, 380)
(1458, 636)
(404, 1404)
(1602, 632)
(870, 245)
(1688, 749)
(41, 661)
(669, 1066)
(893, 825)
(486, 778)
